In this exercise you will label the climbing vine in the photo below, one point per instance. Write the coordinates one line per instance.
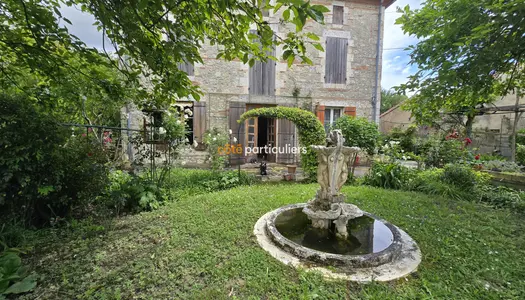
(311, 131)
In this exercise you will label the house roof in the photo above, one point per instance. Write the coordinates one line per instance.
(387, 3)
(392, 109)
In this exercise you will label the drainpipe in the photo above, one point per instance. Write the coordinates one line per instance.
(378, 48)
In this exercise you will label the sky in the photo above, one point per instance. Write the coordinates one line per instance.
(395, 67)
(395, 61)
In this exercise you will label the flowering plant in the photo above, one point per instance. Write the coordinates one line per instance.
(214, 139)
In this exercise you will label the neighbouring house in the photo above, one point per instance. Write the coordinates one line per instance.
(395, 117)
(491, 130)
(344, 79)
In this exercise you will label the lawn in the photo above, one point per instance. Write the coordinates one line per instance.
(202, 247)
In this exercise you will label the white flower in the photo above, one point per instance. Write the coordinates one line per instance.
(214, 139)
(402, 151)
(185, 116)
(188, 111)
(230, 131)
(178, 122)
(162, 130)
(404, 157)
(234, 139)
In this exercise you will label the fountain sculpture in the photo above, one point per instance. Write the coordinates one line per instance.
(332, 173)
(326, 231)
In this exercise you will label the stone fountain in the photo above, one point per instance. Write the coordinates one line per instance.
(329, 207)
(328, 232)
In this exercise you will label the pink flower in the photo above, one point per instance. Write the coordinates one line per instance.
(477, 157)
(90, 129)
(468, 141)
(106, 133)
(84, 134)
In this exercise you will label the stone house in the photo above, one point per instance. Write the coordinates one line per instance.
(344, 79)
(491, 130)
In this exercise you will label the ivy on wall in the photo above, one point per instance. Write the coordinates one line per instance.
(311, 131)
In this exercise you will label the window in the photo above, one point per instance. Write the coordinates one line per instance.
(262, 77)
(338, 14)
(336, 53)
(187, 67)
(331, 114)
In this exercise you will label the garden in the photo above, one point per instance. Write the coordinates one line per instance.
(92, 209)
(187, 233)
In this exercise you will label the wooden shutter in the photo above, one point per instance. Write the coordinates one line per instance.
(337, 14)
(335, 64)
(285, 136)
(268, 75)
(319, 112)
(350, 111)
(262, 75)
(199, 120)
(186, 67)
(236, 110)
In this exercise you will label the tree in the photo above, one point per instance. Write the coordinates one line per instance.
(390, 99)
(150, 37)
(468, 52)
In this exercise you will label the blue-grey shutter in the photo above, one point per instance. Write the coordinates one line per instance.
(262, 75)
(335, 63)
(186, 67)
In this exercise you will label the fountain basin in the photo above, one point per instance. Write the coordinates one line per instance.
(372, 242)
(375, 250)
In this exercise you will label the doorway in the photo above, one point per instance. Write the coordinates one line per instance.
(260, 132)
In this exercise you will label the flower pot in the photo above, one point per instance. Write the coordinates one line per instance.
(291, 169)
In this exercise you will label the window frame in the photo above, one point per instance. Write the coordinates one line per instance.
(329, 110)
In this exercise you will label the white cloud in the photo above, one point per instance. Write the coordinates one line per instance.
(395, 69)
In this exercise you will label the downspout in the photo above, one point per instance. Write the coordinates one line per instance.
(378, 48)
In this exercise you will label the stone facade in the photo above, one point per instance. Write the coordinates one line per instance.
(302, 85)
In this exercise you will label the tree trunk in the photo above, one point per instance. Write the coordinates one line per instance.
(468, 125)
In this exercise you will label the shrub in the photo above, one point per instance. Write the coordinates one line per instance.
(389, 175)
(520, 154)
(359, 132)
(311, 131)
(437, 151)
(459, 175)
(501, 166)
(44, 171)
(213, 139)
(406, 138)
(501, 196)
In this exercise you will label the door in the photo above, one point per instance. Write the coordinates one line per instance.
(285, 141)
(235, 112)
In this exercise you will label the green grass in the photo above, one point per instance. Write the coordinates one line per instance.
(202, 247)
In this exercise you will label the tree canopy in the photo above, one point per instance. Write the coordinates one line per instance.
(150, 37)
(468, 52)
(390, 99)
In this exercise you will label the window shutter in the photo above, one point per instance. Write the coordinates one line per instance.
(285, 136)
(199, 120)
(262, 75)
(236, 110)
(337, 14)
(350, 111)
(186, 67)
(335, 64)
(319, 112)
